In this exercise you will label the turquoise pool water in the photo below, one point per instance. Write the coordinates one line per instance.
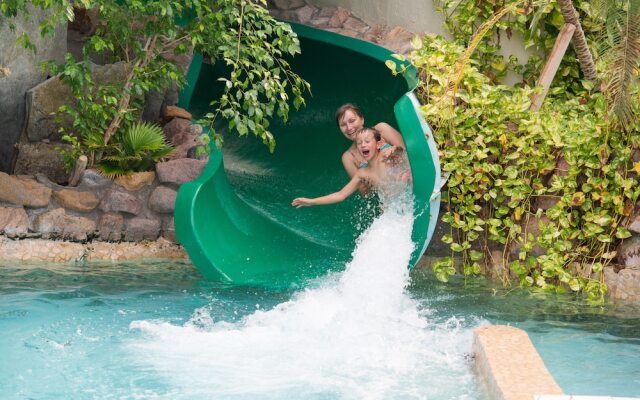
(589, 349)
(156, 330)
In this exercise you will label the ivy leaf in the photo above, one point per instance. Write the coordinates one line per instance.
(475, 255)
(622, 233)
(574, 284)
(416, 42)
(392, 66)
(456, 247)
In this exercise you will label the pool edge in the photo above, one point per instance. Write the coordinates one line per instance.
(509, 365)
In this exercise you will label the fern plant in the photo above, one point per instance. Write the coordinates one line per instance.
(138, 149)
(620, 49)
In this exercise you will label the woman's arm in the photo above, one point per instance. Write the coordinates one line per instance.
(349, 164)
(348, 161)
(390, 135)
(336, 197)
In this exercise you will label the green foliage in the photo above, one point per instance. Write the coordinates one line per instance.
(505, 161)
(141, 146)
(61, 11)
(145, 34)
(619, 46)
(69, 156)
(537, 22)
(261, 83)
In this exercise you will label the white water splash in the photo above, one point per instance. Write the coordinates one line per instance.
(358, 335)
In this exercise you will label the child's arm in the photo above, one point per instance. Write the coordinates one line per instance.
(336, 197)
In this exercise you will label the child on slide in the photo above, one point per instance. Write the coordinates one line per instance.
(371, 173)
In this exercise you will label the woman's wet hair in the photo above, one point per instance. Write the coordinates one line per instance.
(376, 133)
(344, 108)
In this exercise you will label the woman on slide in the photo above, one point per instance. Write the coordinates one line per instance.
(350, 120)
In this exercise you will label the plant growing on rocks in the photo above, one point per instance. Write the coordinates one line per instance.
(542, 196)
(143, 144)
(146, 36)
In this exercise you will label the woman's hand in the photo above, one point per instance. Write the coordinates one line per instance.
(301, 202)
(392, 155)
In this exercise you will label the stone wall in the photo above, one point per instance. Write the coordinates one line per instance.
(20, 72)
(101, 218)
(343, 21)
(130, 208)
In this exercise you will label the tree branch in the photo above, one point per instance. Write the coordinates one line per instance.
(126, 97)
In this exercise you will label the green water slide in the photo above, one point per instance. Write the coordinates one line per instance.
(235, 220)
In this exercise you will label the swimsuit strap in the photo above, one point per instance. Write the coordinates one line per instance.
(385, 146)
(364, 165)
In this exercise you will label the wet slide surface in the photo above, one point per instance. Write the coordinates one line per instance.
(236, 221)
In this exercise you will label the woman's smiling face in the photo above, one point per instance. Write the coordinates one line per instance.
(350, 123)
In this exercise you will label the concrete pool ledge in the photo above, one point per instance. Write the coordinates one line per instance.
(510, 366)
(56, 251)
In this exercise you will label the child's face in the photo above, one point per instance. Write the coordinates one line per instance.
(350, 123)
(367, 144)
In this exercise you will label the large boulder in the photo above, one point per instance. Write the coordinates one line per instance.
(22, 72)
(179, 171)
(398, 40)
(23, 192)
(286, 4)
(13, 221)
(115, 200)
(634, 223)
(183, 135)
(340, 15)
(44, 100)
(111, 227)
(138, 229)
(169, 229)
(163, 200)
(136, 180)
(92, 179)
(57, 223)
(45, 158)
(76, 200)
(628, 252)
(623, 284)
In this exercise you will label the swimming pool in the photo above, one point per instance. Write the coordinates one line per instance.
(157, 330)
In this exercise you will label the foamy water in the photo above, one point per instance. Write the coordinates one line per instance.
(355, 334)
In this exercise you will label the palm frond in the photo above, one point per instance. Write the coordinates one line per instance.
(475, 41)
(542, 8)
(112, 171)
(143, 136)
(161, 153)
(121, 158)
(93, 139)
(622, 59)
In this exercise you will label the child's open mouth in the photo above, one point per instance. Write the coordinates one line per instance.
(365, 152)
